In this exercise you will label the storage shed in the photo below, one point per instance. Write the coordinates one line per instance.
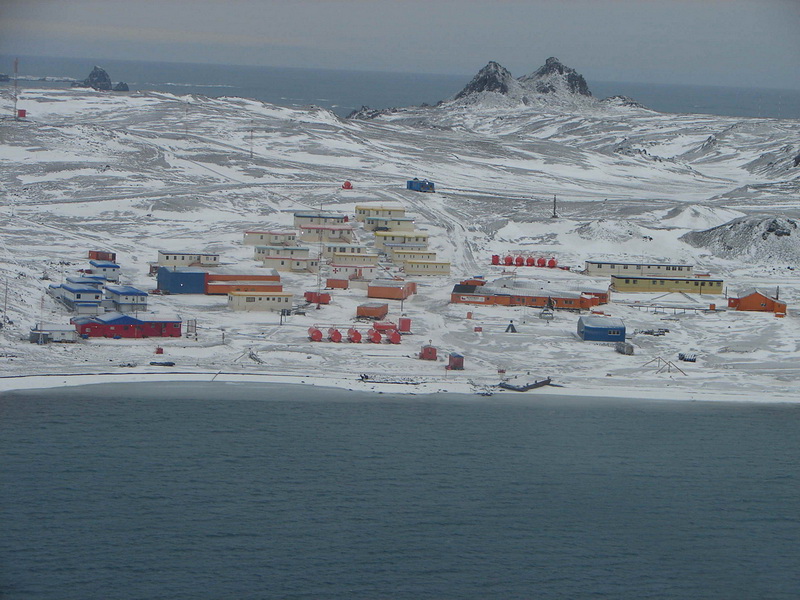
(44, 333)
(372, 310)
(594, 328)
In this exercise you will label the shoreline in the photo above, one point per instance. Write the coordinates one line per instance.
(412, 386)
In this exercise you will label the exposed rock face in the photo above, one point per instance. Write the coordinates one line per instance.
(759, 239)
(623, 101)
(491, 78)
(121, 87)
(553, 76)
(797, 160)
(4, 77)
(98, 79)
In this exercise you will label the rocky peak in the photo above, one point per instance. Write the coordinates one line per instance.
(491, 78)
(554, 76)
(98, 79)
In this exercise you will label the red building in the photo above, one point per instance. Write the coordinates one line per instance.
(117, 325)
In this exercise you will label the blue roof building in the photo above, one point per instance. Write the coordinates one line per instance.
(126, 298)
(106, 268)
(594, 328)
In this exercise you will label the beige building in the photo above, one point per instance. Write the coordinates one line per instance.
(690, 285)
(262, 252)
(292, 265)
(328, 250)
(426, 267)
(400, 255)
(386, 240)
(187, 259)
(260, 300)
(364, 211)
(389, 224)
(343, 258)
(322, 217)
(649, 269)
(338, 271)
(270, 238)
(327, 233)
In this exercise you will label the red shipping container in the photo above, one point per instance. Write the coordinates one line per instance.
(404, 325)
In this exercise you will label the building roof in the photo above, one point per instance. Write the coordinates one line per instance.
(86, 279)
(390, 218)
(321, 213)
(597, 321)
(751, 291)
(104, 264)
(402, 233)
(285, 248)
(334, 227)
(664, 278)
(271, 232)
(126, 290)
(639, 264)
(188, 253)
(379, 207)
(260, 294)
(389, 283)
(199, 270)
(80, 289)
(116, 318)
(53, 327)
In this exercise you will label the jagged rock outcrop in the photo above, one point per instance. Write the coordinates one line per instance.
(121, 87)
(757, 239)
(553, 77)
(797, 160)
(491, 78)
(98, 79)
(620, 100)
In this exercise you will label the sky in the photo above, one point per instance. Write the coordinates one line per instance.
(747, 43)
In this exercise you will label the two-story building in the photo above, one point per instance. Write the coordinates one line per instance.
(167, 258)
(126, 298)
(390, 240)
(259, 237)
(642, 268)
(365, 211)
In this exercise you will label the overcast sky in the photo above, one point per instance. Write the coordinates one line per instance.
(716, 42)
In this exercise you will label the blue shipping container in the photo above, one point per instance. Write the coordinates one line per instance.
(420, 185)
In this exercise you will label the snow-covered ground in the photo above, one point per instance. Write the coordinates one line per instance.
(135, 173)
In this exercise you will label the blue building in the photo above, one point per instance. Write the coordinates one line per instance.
(181, 280)
(420, 185)
(95, 281)
(82, 299)
(594, 328)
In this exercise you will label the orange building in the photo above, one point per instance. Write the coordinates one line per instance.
(757, 300)
(487, 296)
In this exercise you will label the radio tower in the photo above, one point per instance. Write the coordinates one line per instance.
(16, 65)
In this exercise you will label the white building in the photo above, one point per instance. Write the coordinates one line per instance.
(322, 217)
(329, 249)
(338, 271)
(260, 301)
(289, 264)
(343, 258)
(262, 252)
(400, 254)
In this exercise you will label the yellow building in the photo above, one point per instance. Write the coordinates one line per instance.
(389, 224)
(690, 285)
(400, 255)
(426, 267)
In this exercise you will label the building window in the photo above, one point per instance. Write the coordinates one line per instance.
(624, 266)
(249, 299)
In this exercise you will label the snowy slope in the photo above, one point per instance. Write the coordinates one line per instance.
(135, 173)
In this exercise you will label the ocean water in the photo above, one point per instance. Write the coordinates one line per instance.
(344, 91)
(240, 491)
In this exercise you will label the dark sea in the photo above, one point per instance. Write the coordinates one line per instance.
(344, 91)
(198, 491)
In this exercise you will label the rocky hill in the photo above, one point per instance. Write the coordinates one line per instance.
(772, 240)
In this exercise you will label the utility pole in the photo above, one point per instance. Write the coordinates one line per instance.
(251, 140)
(555, 214)
(186, 121)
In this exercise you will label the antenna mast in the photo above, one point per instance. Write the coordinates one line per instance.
(16, 68)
